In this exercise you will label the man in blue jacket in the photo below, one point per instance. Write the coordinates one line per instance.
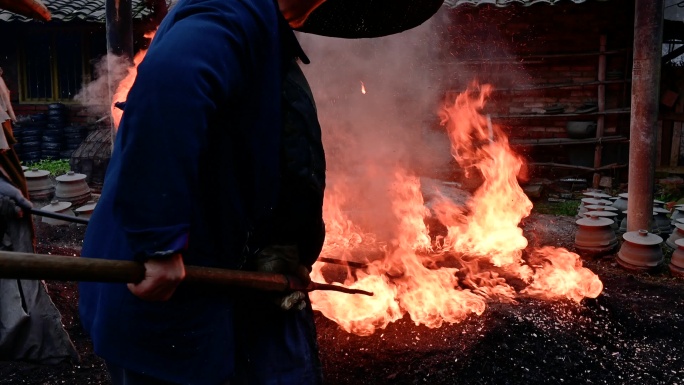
(199, 176)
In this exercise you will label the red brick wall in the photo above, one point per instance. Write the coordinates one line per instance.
(514, 46)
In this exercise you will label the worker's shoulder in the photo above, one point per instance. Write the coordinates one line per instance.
(222, 10)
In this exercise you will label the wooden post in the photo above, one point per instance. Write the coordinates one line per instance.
(601, 121)
(119, 24)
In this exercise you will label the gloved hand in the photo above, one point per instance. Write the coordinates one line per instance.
(11, 200)
(285, 260)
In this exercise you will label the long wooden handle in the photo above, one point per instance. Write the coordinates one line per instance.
(63, 268)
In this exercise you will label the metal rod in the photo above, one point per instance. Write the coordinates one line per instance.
(16, 265)
(50, 214)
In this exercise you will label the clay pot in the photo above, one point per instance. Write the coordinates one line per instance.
(621, 202)
(39, 184)
(661, 220)
(677, 234)
(590, 201)
(86, 210)
(594, 236)
(596, 195)
(651, 225)
(72, 187)
(677, 261)
(605, 214)
(58, 207)
(580, 129)
(677, 213)
(640, 250)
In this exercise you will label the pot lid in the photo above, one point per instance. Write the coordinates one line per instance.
(623, 195)
(70, 177)
(592, 201)
(679, 242)
(625, 212)
(604, 214)
(89, 206)
(679, 226)
(680, 220)
(57, 206)
(605, 202)
(614, 198)
(658, 202)
(35, 173)
(661, 210)
(642, 237)
(594, 221)
(595, 194)
(601, 208)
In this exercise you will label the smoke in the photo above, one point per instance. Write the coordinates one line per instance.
(110, 69)
(394, 124)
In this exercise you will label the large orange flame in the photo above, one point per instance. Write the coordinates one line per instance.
(452, 276)
(448, 278)
(126, 83)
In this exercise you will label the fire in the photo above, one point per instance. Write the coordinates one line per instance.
(456, 274)
(449, 277)
(125, 84)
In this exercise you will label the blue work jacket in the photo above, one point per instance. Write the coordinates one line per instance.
(194, 167)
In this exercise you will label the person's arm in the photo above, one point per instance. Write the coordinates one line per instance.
(198, 63)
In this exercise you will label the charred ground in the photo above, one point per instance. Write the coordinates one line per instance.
(633, 333)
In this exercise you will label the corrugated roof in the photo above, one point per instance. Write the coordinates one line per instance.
(503, 3)
(87, 10)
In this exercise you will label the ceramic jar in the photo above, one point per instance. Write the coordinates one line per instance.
(58, 207)
(651, 224)
(594, 236)
(621, 202)
(72, 187)
(677, 261)
(661, 220)
(39, 184)
(596, 195)
(605, 214)
(677, 233)
(640, 250)
(677, 213)
(86, 210)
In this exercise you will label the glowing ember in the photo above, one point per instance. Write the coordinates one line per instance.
(363, 88)
(125, 84)
(448, 278)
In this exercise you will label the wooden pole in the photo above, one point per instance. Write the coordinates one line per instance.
(63, 268)
(601, 119)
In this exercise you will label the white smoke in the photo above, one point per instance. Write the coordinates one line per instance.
(97, 94)
(393, 124)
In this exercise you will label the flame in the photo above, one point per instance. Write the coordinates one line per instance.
(450, 277)
(363, 88)
(126, 83)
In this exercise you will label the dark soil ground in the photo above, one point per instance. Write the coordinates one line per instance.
(633, 333)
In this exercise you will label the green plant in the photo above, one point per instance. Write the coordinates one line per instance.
(567, 208)
(56, 167)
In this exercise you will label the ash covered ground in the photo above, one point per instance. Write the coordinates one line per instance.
(633, 333)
